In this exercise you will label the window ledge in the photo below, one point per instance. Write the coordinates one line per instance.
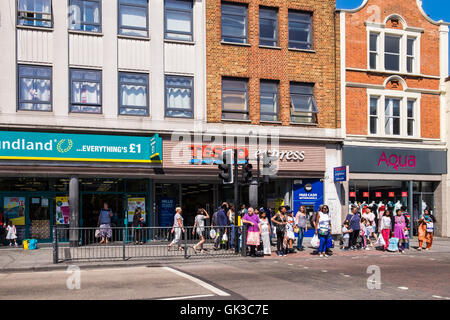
(390, 138)
(236, 120)
(88, 114)
(35, 112)
(303, 124)
(398, 73)
(133, 116)
(86, 33)
(236, 44)
(124, 36)
(269, 47)
(302, 50)
(19, 26)
(189, 43)
(270, 122)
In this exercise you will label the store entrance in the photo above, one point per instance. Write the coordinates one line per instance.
(195, 196)
(92, 203)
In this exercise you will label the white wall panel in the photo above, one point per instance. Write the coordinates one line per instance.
(85, 50)
(134, 54)
(34, 46)
(179, 58)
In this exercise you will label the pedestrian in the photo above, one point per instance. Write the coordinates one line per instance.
(220, 225)
(393, 243)
(199, 227)
(11, 234)
(280, 221)
(104, 223)
(354, 221)
(290, 235)
(399, 229)
(323, 227)
(264, 226)
(231, 216)
(385, 227)
(300, 223)
(138, 223)
(426, 229)
(370, 218)
(362, 233)
(368, 229)
(346, 235)
(253, 231)
(177, 228)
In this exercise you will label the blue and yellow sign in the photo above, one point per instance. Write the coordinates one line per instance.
(79, 147)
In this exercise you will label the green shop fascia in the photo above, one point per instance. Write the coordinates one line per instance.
(40, 172)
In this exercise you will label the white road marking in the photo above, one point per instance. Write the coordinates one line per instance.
(324, 271)
(290, 264)
(403, 288)
(437, 297)
(199, 282)
(306, 267)
(189, 297)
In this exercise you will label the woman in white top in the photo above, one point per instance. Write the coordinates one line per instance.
(264, 226)
(178, 228)
(199, 226)
(323, 227)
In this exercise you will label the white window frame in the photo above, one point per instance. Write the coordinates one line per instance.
(404, 35)
(382, 95)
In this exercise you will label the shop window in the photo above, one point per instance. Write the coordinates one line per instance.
(179, 97)
(35, 88)
(102, 185)
(85, 15)
(24, 184)
(85, 91)
(137, 185)
(36, 13)
(178, 20)
(234, 99)
(234, 22)
(300, 30)
(269, 100)
(268, 26)
(133, 91)
(133, 18)
(303, 103)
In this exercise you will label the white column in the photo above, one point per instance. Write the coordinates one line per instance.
(157, 59)
(332, 190)
(8, 65)
(109, 74)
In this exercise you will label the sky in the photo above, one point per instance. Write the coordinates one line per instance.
(436, 9)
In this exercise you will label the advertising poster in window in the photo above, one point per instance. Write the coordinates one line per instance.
(62, 210)
(166, 212)
(14, 208)
(134, 203)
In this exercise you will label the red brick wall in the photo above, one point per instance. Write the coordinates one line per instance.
(284, 65)
(356, 57)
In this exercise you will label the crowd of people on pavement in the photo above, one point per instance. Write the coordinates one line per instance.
(361, 230)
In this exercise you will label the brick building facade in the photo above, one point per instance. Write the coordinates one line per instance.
(395, 61)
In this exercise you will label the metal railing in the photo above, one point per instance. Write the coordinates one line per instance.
(125, 243)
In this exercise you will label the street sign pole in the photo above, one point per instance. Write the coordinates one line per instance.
(236, 201)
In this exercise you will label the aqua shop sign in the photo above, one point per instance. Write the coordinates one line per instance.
(79, 147)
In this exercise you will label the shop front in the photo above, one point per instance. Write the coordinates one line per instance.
(393, 178)
(38, 171)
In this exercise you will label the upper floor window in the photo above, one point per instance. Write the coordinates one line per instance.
(178, 20)
(303, 103)
(373, 114)
(35, 88)
(392, 53)
(268, 27)
(373, 50)
(300, 30)
(179, 97)
(392, 116)
(411, 117)
(410, 54)
(85, 15)
(133, 17)
(234, 99)
(269, 100)
(85, 91)
(133, 94)
(234, 22)
(37, 13)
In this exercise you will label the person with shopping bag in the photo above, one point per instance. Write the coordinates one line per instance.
(426, 229)
(323, 227)
(253, 232)
(280, 221)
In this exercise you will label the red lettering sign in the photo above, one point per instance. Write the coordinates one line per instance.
(397, 161)
(365, 194)
(378, 194)
(404, 194)
(391, 194)
(352, 194)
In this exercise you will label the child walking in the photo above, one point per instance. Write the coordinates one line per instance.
(346, 235)
(12, 234)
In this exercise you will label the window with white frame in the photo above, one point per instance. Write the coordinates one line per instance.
(393, 50)
(37, 13)
(393, 114)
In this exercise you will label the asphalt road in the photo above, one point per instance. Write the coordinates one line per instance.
(356, 275)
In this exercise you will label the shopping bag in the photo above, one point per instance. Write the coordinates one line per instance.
(97, 233)
(212, 233)
(315, 241)
(25, 244)
(32, 244)
(380, 241)
(225, 238)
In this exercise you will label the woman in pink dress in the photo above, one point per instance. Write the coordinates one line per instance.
(399, 229)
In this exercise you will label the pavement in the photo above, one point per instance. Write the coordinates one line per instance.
(17, 260)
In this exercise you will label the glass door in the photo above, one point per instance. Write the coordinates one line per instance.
(39, 224)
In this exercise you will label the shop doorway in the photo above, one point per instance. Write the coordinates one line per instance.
(195, 196)
(92, 203)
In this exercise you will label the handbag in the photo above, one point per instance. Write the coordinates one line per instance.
(430, 226)
(296, 230)
(323, 231)
(225, 237)
(97, 233)
(253, 238)
(380, 241)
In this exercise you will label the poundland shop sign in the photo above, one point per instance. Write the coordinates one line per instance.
(79, 147)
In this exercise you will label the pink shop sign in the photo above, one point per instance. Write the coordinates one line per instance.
(397, 161)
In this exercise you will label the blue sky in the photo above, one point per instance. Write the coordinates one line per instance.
(436, 9)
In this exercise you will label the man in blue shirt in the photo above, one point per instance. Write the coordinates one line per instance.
(355, 226)
(221, 224)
